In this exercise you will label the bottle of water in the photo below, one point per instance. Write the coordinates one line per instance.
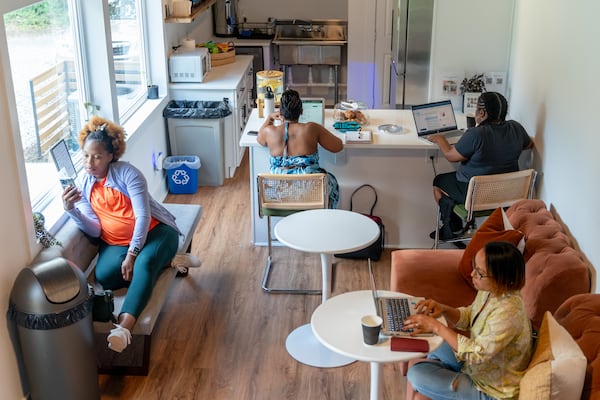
(269, 102)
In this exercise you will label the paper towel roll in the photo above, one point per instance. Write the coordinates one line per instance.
(188, 43)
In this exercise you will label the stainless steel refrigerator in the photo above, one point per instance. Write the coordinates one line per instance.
(411, 52)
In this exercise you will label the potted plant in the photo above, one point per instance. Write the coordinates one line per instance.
(471, 88)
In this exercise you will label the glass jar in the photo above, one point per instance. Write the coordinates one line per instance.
(351, 111)
(272, 79)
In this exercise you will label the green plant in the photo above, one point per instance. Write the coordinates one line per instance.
(474, 84)
(91, 109)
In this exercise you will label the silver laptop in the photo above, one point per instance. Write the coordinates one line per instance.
(385, 306)
(313, 110)
(436, 118)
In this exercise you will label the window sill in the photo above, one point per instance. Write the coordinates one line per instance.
(133, 124)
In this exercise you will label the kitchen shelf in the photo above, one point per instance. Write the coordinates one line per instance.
(196, 10)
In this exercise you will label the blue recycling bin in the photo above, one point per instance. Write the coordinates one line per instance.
(182, 173)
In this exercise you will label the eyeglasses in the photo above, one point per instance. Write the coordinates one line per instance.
(479, 274)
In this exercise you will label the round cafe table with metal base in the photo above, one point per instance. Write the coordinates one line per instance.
(326, 232)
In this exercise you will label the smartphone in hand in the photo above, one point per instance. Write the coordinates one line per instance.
(67, 182)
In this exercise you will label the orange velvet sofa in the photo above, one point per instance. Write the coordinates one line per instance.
(556, 273)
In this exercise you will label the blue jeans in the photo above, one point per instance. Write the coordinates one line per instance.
(441, 378)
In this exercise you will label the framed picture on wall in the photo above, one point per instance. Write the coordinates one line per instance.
(470, 103)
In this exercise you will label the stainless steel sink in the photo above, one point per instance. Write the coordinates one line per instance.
(311, 42)
(313, 32)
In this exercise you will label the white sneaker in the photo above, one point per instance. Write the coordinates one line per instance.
(183, 261)
(119, 338)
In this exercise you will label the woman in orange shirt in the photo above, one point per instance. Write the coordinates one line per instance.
(138, 236)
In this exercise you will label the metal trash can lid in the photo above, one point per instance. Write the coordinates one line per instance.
(49, 287)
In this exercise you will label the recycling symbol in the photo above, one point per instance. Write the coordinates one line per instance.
(180, 177)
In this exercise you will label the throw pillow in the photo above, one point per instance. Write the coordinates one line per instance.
(492, 230)
(557, 368)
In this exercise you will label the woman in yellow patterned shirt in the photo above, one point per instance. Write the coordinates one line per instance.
(490, 361)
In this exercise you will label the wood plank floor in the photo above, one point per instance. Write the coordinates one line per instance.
(220, 337)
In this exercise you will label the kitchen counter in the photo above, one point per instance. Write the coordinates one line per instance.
(407, 139)
(399, 166)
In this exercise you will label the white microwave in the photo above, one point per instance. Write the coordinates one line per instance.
(189, 65)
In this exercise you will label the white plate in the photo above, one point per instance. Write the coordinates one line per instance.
(390, 128)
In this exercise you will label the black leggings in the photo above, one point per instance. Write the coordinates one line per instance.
(456, 193)
(455, 189)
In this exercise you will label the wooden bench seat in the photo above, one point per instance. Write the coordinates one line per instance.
(77, 248)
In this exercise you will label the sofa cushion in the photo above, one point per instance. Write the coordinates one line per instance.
(580, 316)
(493, 229)
(430, 273)
(557, 368)
(554, 270)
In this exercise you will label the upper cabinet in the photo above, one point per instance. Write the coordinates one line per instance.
(196, 11)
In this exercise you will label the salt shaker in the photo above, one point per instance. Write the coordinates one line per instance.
(269, 102)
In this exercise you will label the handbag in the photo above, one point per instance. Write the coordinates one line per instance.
(104, 306)
(374, 250)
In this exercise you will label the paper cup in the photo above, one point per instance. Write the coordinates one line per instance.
(371, 326)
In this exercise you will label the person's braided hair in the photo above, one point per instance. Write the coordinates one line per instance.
(495, 105)
(106, 132)
(291, 105)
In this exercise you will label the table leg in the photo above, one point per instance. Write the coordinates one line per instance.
(326, 260)
(302, 343)
(376, 381)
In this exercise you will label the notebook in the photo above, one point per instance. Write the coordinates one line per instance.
(313, 110)
(436, 118)
(392, 323)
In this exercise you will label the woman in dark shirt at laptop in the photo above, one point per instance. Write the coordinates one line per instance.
(294, 145)
(493, 146)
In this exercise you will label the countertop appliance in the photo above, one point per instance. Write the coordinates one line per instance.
(225, 18)
(411, 52)
(189, 65)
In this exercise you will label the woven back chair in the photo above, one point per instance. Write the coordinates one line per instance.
(485, 193)
(283, 195)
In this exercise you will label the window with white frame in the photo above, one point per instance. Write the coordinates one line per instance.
(128, 54)
(52, 77)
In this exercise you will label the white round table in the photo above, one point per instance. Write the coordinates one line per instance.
(336, 324)
(327, 232)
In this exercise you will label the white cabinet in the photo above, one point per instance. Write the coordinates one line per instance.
(233, 82)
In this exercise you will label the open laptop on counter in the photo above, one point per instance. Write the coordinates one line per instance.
(436, 118)
(313, 110)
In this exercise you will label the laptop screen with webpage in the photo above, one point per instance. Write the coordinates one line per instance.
(434, 117)
(313, 110)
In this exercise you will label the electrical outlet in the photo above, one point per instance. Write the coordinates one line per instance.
(429, 154)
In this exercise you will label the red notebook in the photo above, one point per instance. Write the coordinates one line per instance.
(409, 344)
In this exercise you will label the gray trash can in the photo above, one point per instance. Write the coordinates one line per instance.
(51, 307)
(198, 128)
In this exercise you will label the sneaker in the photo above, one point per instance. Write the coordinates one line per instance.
(445, 234)
(184, 261)
(119, 338)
